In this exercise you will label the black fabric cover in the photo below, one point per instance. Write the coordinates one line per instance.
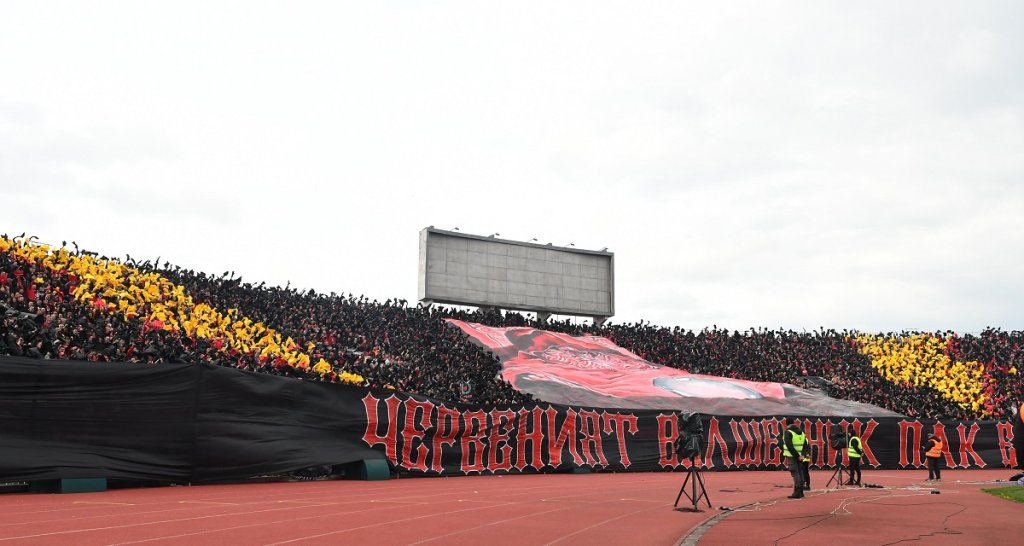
(201, 423)
(172, 422)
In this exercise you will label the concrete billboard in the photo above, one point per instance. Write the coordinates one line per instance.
(464, 269)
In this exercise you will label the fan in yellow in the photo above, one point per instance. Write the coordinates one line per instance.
(920, 360)
(118, 289)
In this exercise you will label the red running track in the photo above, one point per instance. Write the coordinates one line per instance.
(564, 509)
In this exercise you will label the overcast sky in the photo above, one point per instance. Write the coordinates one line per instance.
(805, 164)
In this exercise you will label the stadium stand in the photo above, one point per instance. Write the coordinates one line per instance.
(71, 304)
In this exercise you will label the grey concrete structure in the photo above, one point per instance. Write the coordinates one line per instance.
(463, 269)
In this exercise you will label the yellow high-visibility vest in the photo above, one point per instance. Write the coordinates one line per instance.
(799, 439)
(850, 451)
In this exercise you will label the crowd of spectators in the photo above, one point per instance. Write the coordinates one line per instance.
(837, 362)
(68, 304)
(71, 304)
(922, 360)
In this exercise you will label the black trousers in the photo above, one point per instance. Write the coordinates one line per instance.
(934, 470)
(797, 472)
(855, 470)
(805, 468)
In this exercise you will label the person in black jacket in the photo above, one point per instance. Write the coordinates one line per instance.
(794, 447)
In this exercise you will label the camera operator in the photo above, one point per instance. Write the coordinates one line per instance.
(854, 451)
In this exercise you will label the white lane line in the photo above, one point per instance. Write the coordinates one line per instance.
(247, 526)
(167, 510)
(599, 524)
(310, 537)
(460, 531)
(72, 531)
(222, 529)
(329, 489)
(513, 490)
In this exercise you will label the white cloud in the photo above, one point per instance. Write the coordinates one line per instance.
(751, 165)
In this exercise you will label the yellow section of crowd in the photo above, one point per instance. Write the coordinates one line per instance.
(920, 360)
(118, 289)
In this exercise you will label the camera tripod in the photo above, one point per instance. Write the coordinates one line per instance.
(839, 443)
(697, 489)
(837, 476)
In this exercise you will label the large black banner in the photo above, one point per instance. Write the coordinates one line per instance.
(204, 423)
(424, 436)
(172, 422)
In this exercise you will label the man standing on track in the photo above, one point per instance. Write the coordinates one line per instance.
(794, 445)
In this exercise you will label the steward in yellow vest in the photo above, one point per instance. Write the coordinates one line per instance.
(794, 447)
(854, 451)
